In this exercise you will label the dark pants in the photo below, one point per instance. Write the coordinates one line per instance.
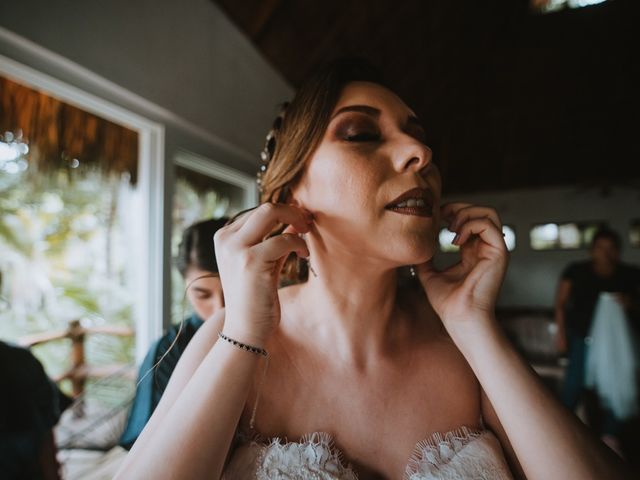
(601, 419)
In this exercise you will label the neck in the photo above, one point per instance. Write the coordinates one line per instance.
(351, 304)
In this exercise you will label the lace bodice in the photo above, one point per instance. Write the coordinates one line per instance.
(461, 454)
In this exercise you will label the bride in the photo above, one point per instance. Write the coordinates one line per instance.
(358, 371)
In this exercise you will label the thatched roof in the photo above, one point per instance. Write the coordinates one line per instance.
(57, 133)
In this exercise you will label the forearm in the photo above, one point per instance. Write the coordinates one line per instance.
(548, 441)
(197, 430)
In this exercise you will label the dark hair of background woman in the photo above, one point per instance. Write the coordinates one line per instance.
(196, 247)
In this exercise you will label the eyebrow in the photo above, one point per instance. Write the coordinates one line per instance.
(366, 109)
(200, 289)
(374, 112)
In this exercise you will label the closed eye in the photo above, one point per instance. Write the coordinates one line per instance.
(363, 137)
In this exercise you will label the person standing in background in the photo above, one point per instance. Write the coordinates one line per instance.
(578, 291)
(30, 407)
(196, 262)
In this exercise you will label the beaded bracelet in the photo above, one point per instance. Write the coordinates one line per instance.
(244, 346)
(257, 351)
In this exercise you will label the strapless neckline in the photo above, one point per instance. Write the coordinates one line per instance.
(315, 455)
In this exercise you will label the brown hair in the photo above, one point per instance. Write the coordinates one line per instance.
(196, 247)
(298, 130)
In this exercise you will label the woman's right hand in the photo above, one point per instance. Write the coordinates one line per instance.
(250, 265)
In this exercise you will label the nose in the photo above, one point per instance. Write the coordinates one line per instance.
(411, 154)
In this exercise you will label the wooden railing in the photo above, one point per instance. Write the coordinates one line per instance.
(79, 370)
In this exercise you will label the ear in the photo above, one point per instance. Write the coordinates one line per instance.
(293, 197)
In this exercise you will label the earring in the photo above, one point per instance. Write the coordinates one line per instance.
(307, 260)
(311, 268)
(412, 271)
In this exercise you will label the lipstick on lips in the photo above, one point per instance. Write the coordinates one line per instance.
(417, 201)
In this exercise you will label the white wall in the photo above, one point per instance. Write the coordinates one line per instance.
(533, 275)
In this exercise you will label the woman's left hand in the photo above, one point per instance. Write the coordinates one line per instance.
(468, 289)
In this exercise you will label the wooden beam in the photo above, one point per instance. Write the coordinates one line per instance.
(262, 17)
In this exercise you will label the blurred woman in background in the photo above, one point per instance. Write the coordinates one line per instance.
(196, 261)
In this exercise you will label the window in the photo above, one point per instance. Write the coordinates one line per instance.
(563, 236)
(549, 6)
(509, 237)
(203, 190)
(73, 145)
(67, 180)
(445, 237)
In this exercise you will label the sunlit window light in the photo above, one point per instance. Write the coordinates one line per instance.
(569, 235)
(445, 237)
(509, 237)
(544, 237)
(12, 152)
(549, 6)
(562, 236)
(588, 231)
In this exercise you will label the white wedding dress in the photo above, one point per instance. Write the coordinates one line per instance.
(463, 454)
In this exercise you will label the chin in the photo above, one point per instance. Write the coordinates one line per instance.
(415, 254)
(411, 246)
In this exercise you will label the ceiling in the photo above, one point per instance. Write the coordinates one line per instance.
(509, 98)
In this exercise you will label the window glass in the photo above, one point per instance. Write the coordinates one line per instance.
(67, 183)
(563, 236)
(569, 235)
(545, 236)
(509, 237)
(445, 237)
(549, 6)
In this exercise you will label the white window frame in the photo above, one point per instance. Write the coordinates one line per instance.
(210, 168)
(148, 306)
(216, 171)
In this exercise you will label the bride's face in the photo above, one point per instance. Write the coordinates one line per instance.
(371, 184)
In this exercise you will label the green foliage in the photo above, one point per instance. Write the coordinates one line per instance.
(63, 256)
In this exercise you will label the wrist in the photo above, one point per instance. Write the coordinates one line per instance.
(246, 334)
(475, 332)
